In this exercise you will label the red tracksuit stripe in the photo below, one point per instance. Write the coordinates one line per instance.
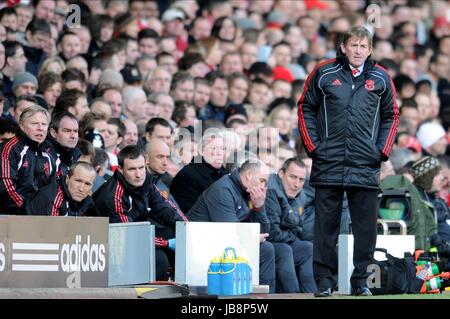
(172, 204)
(6, 175)
(394, 127)
(57, 203)
(118, 203)
(301, 122)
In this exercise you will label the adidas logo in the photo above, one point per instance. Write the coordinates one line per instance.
(336, 82)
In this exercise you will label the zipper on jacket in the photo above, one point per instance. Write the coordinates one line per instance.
(326, 117)
(375, 118)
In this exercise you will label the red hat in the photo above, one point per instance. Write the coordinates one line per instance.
(315, 4)
(441, 22)
(280, 73)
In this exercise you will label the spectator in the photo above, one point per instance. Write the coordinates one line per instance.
(131, 136)
(159, 128)
(134, 102)
(15, 61)
(216, 107)
(432, 137)
(8, 129)
(73, 101)
(116, 132)
(50, 86)
(21, 104)
(238, 85)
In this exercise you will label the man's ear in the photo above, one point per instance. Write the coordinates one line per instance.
(343, 48)
(53, 132)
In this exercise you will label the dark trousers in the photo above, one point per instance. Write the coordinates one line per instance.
(293, 263)
(267, 265)
(363, 206)
(164, 257)
(162, 264)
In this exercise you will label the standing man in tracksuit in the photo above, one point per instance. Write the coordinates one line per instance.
(348, 119)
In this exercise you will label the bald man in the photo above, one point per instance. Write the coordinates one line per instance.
(158, 159)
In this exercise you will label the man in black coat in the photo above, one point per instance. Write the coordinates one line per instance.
(348, 119)
(239, 197)
(193, 179)
(68, 196)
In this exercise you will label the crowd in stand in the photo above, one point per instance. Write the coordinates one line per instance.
(167, 111)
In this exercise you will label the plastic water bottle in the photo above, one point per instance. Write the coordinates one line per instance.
(433, 283)
(214, 277)
(228, 277)
(426, 270)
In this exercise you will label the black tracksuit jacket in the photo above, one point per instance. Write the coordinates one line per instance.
(347, 124)
(123, 203)
(55, 200)
(26, 166)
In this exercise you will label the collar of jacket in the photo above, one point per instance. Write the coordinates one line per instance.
(33, 54)
(205, 169)
(66, 154)
(236, 180)
(343, 60)
(35, 146)
(79, 207)
(130, 189)
(279, 183)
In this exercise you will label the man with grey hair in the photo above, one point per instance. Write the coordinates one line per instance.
(134, 102)
(158, 81)
(27, 164)
(201, 172)
(239, 197)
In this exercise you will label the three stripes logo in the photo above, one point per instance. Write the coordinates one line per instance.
(81, 256)
(35, 257)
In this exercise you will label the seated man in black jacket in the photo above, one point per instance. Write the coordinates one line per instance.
(130, 196)
(198, 175)
(68, 196)
(239, 197)
(284, 208)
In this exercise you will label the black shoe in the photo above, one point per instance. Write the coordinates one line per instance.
(361, 291)
(323, 292)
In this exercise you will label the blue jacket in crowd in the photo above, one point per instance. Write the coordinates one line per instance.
(228, 201)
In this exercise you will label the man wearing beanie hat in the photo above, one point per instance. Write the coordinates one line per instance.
(24, 84)
(424, 170)
(431, 136)
(428, 180)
